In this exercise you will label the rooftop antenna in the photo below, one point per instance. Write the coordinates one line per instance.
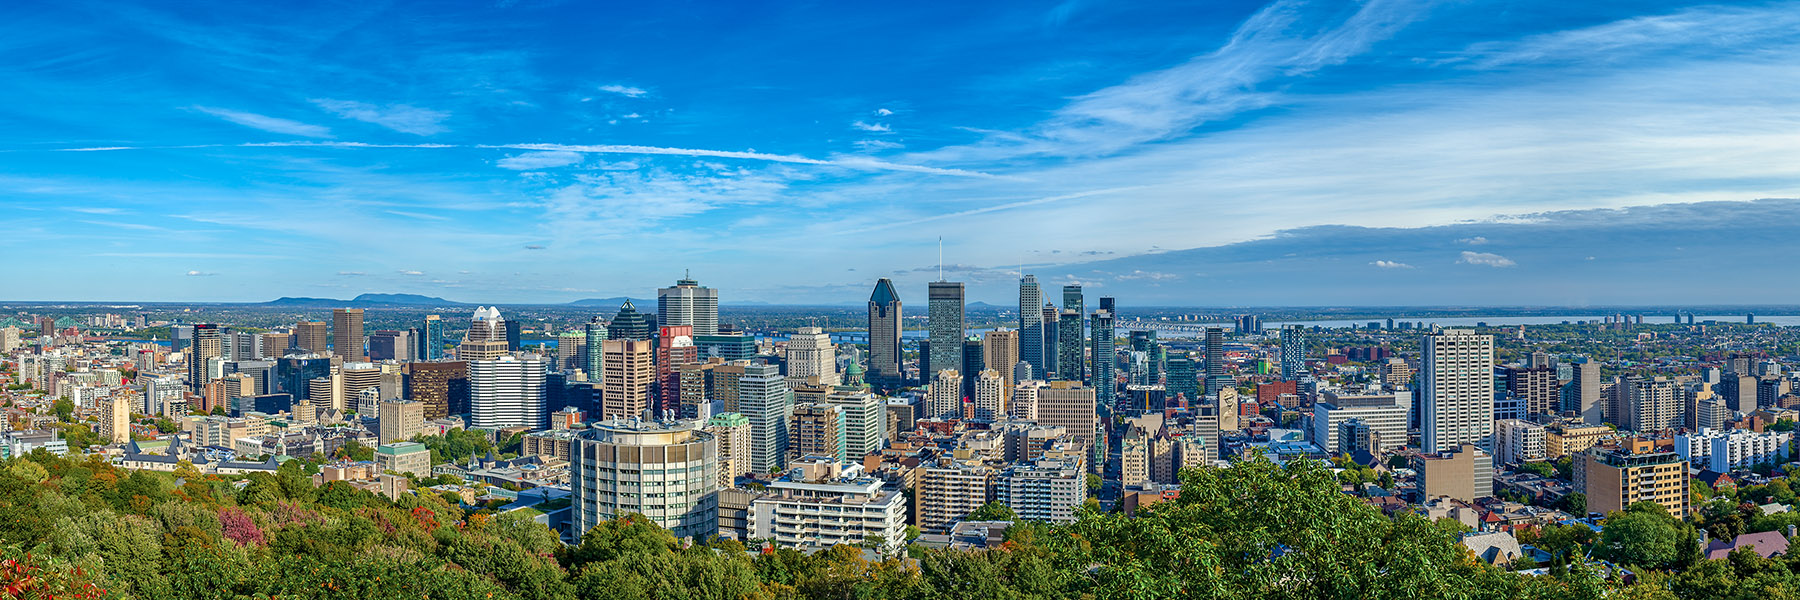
(940, 258)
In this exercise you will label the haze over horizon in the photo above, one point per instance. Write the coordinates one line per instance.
(1385, 153)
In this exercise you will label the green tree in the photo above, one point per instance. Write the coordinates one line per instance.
(1643, 535)
(64, 409)
(992, 511)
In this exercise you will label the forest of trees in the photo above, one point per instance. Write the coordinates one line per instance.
(78, 527)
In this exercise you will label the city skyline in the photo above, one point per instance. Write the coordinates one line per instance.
(1292, 153)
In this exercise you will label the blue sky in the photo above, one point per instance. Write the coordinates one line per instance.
(1205, 153)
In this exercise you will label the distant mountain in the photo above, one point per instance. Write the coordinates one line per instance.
(401, 299)
(614, 302)
(292, 301)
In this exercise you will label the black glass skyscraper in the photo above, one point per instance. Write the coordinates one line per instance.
(884, 337)
(945, 320)
(1031, 324)
(1105, 382)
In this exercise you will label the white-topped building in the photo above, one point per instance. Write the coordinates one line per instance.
(667, 472)
(1456, 395)
(509, 391)
(819, 503)
(1725, 451)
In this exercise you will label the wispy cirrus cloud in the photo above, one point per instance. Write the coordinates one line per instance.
(1485, 259)
(266, 123)
(1389, 264)
(539, 160)
(872, 127)
(1688, 30)
(398, 117)
(625, 90)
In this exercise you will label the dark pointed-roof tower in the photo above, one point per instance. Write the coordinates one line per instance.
(629, 324)
(884, 338)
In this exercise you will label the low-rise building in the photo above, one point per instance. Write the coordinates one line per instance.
(820, 502)
(403, 457)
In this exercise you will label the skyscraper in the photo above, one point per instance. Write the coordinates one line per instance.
(945, 310)
(674, 349)
(486, 339)
(1216, 379)
(999, 352)
(763, 399)
(310, 336)
(1293, 351)
(1105, 383)
(690, 304)
(943, 397)
(1031, 324)
(208, 343)
(431, 339)
(509, 391)
(810, 353)
(1072, 330)
(1584, 392)
(443, 387)
(1052, 339)
(1456, 395)
(629, 324)
(347, 334)
(630, 374)
(884, 337)
(595, 360)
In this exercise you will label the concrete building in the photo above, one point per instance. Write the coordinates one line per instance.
(946, 326)
(817, 430)
(399, 421)
(1731, 450)
(1293, 351)
(667, 472)
(944, 395)
(510, 391)
(115, 418)
(1649, 404)
(1536, 387)
(990, 396)
(1047, 490)
(1519, 441)
(1563, 439)
(1465, 473)
(442, 387)
(630, 374)
(1456, 387)
(1070, 405)
(1616, 477)
(948, 490)
(347, 334)
(689, 304)
(733, 433)
(763, 399)
(810, 353)
(865, 420)
(1386, 414)
(819, 503)
(311, 337)
(404, 457)
(885, 371)
(1000, 352)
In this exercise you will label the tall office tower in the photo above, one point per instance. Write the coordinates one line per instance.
(310, 336)
(1456, 390)
(1144, 341)
(865, 418)
(606, 485)
(816, 429)
(1073, 300)
(1052, 337)
(733, 431)
(630, 373)
(1070, 405)
(431, 339)
(509, 391)
(1650, 404)
(347, 334)
(688, 304)
(1536, 387)
(763, 398)
(208, 343)
(810, 353)
(1071, 346)
(943, 398)
(593, 358)
(1184, 379)
(884, 337)
(1000, 351)
(571, 351)
(971, 364)
(1293, 351)
(1031, 324)
(359, 376)
(1584, 392)
(388, 344)
(990, 395)
(486, 339)
(240, 346)
(515, 331)
(674, 350)
(1105, 382)
(629, 324)
(442, 387)
(945, 312)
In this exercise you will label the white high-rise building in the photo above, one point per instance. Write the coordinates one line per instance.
(821, 503)
(667, 472)
(945, 394)
(865, 421)
(1049, 490)
(990, 396)
(1456, 381)
(810, 353)
(1519, 441)
(688, 303)
(1650, 404)
(1725, 451)
(509, 391)
(763, 399)
(1386, 415)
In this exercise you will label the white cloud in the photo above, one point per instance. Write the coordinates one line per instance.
(1473, 241)
(873, 145)
(1146, 275)
(872, 127)
(352, 273)
(1688, 29)
(1485, 258)
(882, 112)
(631, 116)
(539, 160)
(266, 123)
(1388, 264)
(626, 91)
(199, 274)
(411, 272)
(398, 117)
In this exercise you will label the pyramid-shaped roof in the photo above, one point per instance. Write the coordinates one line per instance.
(884, 292)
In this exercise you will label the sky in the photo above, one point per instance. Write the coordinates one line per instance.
(1384, 152)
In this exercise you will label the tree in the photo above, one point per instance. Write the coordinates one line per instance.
(64, 409)
(1643, 535)
(1574, 503)
(992, 511)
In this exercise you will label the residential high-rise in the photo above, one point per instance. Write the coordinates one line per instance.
(1105, 382)
(990, 395)
(1070, 405)
(310, 336)
(1462, 472)
(441, 388)
(629, 324)
(1536, 387)
(509, 391)
(618, 462)
(208, 343)
(816, 429)
(1583, 395)
(275, 345)
(1293, 351)
(763, 399)
(115, 418)
(884, 337)
(733, 431)
(689, 304)
(949, 490)
(431, 339)
(1615, 478)
(630, 374)
(1184, 378)
(1071, 347)
(347, 334)
(593, 358)
(865, 420)
(972, 362)
(820, 503)
(1216, 377)
(1651, 404)
(1031, 324)
(1000, 351)
(945, 322)
(810, 353)
(400, 421)
(1048, 490)
(944, 395)
(1456, 390)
